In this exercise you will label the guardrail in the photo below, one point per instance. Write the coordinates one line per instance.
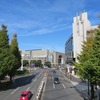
(40, 90)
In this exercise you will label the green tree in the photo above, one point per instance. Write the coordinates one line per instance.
(32, 62)
(47, 63)
(25, 62)
(4, 52)
(38, 63)
(96, 55)
(85, 64)
(95, 61)
(16, 63)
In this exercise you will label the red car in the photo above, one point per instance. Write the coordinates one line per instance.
(26, 95)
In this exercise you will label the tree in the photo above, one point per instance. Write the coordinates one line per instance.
(96, 54)
(95, 61)
(4, 52)
(16, 63)
(38, 63)
(32, 63)
(86, 61)
(25, 62)
(47, 63)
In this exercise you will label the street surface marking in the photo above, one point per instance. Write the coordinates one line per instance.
(15, 90)
(63, 85)
(53, 85)
(28, 88)
(35, 79)
(59, 73)
(38, 76)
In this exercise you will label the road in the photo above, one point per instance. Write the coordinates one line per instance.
(62, 91)
(31, 83)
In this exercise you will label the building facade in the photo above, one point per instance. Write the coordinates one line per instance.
(73, 45)
(69, 50)
(56, 58)
(80, 26)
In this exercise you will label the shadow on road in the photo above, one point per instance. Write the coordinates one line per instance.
(18, 82)
(22, 81)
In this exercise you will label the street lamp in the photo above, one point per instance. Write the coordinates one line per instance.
(22, 60)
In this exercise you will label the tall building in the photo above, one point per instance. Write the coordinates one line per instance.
(73, 45)
(80, 26)
(56, 58)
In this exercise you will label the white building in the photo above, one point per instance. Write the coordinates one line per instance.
(54, 57)
(73, 45)
(80, 26)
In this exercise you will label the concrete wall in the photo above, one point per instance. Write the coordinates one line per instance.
(44, 55)
(80, 26)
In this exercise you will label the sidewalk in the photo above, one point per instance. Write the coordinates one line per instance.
(80, 86)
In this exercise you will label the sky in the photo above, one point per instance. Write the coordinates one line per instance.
(44, 24)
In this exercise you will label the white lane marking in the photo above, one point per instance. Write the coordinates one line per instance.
(28, 88)
(38, 76)
(35, 79)
(59, 73)
(63, 85)
(14, 90)
(53, 85)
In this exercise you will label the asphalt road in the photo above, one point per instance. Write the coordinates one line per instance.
(62, 91)
(31, 83)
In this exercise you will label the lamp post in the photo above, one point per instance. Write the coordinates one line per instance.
(29, 59)
(22, 60)
(22, 64)
(29, 66)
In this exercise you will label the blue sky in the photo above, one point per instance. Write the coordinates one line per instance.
(44, 24)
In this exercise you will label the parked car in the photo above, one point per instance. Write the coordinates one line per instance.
(26, 95)
(56, 80)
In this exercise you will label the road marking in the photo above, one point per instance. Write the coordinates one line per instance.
(53, 85)
(35, 79)
(28, 88)
(63, 85)
(15, 90)
(38, 76)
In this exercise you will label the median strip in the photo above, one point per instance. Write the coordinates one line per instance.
(38, 97)
(42, 86)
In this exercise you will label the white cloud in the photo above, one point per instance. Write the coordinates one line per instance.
(47, 30)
